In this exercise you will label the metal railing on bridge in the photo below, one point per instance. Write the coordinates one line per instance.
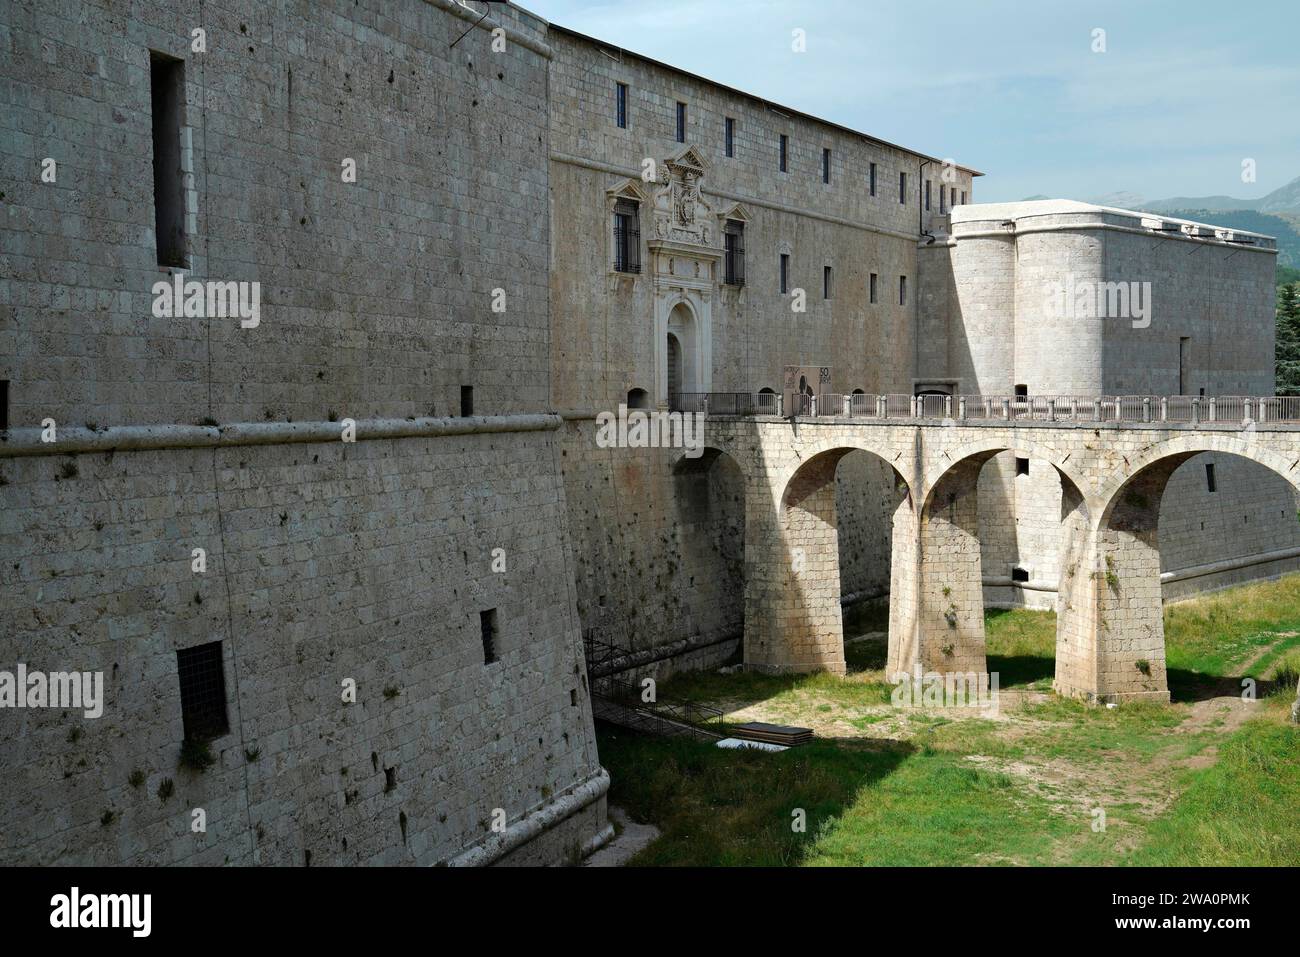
(1177, 409)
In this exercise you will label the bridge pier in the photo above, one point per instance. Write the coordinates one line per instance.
(943, 565)
(793, 621)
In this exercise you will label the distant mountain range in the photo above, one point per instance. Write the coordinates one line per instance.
(1277, 214)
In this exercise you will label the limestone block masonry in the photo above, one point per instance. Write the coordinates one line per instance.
(425, 566)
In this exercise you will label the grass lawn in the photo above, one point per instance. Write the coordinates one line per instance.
(1209, 779)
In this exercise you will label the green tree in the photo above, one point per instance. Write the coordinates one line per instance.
(1287, 352)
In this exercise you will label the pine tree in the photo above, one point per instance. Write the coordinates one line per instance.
(1287, 352)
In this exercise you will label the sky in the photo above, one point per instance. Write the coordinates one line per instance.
(1184, 92)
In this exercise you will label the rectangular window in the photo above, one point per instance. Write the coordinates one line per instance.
(1022, 391)
(1022, 466)
(873, 179)
(4, 405)
(621, 105)
(902, 290)
(733, 239)
(1209, 477)
(1184, 369)
(826, 282)
(902, 188)
(963, 197)
(826, 166)
(785, 272)
(681, 122)
(487, 623)
(627, 236)
(466, 401)
(167, 100)
(874, 297)
(952, 196)
(785, 151)
(943, 207)
(203, 691)
(927, 195)
(729, 136)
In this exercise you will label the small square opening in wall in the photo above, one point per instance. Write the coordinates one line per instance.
(1020, 574)
(487, 621)
(1022, 466)
(203, 691)
(466, 400)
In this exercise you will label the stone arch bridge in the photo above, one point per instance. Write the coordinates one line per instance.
(1110, 630)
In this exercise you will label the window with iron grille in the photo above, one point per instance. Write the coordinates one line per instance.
(873, 179)
(621, 104)
(785, 272)
(826, 165)
(785, 151)
(729, 135)
(203, 691)
(627, 236)
(733, 239)
(681, 122)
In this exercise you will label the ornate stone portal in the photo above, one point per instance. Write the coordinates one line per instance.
(684, 270)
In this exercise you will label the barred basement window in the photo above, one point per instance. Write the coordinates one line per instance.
(627, 236)
(203, 691)
(785, 151)
(466, 401)
(1209, 477)
(733, 239)
(681, 122)
(167, 101)
(487, 621)
(620, 105)
(785, 273)
(729, 136)
(874, 280)
(1022, 466)
(873, 179)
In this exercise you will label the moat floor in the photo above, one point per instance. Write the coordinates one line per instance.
(1212, 778)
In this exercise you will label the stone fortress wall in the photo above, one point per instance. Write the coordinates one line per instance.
(327, 562)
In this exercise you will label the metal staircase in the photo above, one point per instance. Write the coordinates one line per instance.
(617, 699)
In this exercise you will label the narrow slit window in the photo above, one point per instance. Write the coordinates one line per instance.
(203, 691)
(620, 105)
(902, 188)
(927, 195)
(785, 152)
(826, 165)
(873, 179)
(4, 405)
(466, 400)
(902, 290)
(167, 101)
(487, 621)
(785, 272)
(681, 122)
(826, 282)
(1210, 484)
(874, 280)
(729, 136)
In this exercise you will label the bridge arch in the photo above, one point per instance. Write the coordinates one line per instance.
(793, 619)
(1129, 653)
